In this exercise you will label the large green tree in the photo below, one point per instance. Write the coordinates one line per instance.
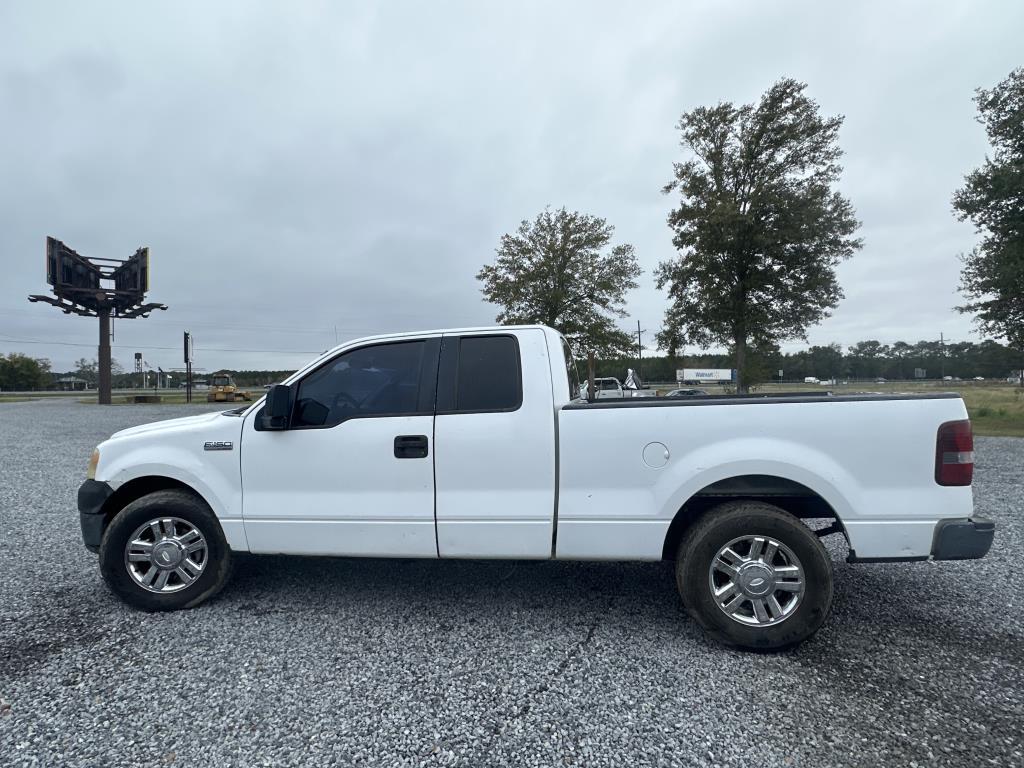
(759, 228)
(560, 271)
(21, 372)
(992, 198)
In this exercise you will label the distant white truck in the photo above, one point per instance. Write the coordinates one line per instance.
(610, 388)
(474, 443)
(606, 388)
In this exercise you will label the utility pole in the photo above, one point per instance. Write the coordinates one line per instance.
(942, 354)
(188, 367)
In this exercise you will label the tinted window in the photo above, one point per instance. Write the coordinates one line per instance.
(488, 377)
(383, 379)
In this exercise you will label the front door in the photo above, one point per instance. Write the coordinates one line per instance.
(353, 474)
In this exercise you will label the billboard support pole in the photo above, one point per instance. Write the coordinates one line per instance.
(104, 356)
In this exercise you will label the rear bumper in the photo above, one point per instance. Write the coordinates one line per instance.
(92, 496)
(959, 538)
(966, 539)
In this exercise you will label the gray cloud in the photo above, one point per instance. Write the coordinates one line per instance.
(303, 168)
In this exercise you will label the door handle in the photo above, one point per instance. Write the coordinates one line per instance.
(411, 447)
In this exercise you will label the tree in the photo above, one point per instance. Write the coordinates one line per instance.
(899, 352)
(21, 372)
(759, 227)
(992, 278)
(86, 369)
(762, 364)
(89, 369)
(826, 362)
(555, 270)
(866, 359)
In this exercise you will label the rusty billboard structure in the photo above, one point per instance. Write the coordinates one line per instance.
(98, 287)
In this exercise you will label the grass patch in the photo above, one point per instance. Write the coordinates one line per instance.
(995, 411)
(996, 408)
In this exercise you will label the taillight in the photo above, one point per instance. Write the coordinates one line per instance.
(954, 453)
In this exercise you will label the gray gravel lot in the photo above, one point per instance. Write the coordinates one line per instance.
(374, 662)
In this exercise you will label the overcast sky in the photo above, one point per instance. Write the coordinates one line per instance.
(302, 171)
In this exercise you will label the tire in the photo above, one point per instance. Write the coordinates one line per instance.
(734, 618)
(187, 529)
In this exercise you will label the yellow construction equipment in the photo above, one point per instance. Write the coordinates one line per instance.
(224, 390)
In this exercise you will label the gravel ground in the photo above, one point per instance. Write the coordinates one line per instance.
(374, 662)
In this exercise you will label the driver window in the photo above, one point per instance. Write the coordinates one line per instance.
(369, 381)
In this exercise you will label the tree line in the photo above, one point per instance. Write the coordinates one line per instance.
(759, 228)
(866, 360)
(22, 373)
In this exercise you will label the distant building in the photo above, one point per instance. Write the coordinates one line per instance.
(72, 384)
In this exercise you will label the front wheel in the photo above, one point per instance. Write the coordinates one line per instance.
(165, 551)
(754, 577)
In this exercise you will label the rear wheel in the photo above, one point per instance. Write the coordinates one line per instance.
(754, 577)
(165, 551)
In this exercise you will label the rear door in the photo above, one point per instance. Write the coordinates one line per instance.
(494, 440)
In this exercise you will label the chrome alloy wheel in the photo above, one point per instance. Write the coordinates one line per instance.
(756, 580)
(166, 554)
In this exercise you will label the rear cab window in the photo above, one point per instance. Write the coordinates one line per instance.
(480, 374)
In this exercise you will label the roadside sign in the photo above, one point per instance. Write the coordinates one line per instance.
(705, 374)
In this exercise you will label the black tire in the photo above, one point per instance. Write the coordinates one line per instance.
(736, 519)
(170, 503)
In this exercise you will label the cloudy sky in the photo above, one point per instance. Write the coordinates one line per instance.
(310, 171)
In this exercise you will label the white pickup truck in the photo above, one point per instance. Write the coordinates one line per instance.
(605, 388)
(474, 444)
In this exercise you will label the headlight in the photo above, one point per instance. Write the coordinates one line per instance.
(93, 461)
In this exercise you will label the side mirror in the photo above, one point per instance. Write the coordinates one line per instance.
(277, 408)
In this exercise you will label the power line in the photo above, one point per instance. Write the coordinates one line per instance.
(325, 331)
(150, 347)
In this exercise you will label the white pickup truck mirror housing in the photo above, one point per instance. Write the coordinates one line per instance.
(277, 408)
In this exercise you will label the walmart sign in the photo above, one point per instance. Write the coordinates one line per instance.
(705, 374)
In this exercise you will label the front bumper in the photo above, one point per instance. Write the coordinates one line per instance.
(92, 496)
(965, 539)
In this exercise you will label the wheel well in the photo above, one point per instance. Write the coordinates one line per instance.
(137, 488)
(795, 498)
